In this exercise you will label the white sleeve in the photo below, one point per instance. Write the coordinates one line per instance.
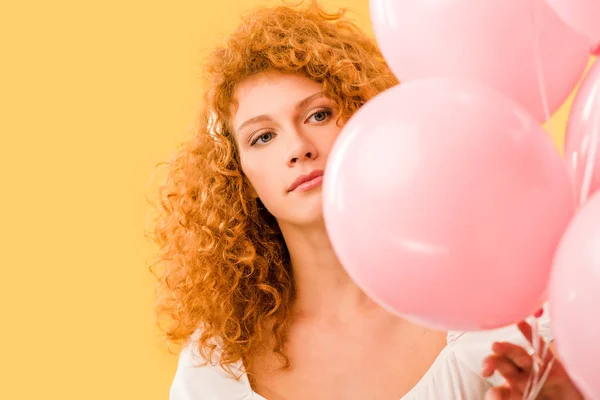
(194, 380)
(188, 381)
(473, 347)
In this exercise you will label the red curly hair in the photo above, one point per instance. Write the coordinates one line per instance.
(222, 264)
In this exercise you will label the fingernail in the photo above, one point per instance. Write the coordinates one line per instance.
(539, 313)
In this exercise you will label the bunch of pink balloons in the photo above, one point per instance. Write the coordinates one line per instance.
(444, 198)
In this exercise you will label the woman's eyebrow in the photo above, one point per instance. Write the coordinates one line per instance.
(262, 118)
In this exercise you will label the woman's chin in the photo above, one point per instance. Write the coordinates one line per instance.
(306, 213)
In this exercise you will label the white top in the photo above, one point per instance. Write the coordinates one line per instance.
(454, 375)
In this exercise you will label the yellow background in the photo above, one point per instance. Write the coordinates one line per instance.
(92, 96)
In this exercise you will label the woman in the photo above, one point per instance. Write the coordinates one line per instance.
(248, 276)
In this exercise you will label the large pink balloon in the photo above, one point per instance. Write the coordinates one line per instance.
(444, 201)
(582, 15)
(489, 40)
(583, 133)
(574, 298)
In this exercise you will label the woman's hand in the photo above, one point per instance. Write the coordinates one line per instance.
(515, 365)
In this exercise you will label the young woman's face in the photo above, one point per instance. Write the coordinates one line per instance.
(285, 129)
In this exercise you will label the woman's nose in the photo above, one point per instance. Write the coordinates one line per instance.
(302, 150)
(301, 154)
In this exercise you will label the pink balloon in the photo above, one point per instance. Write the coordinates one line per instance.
(444, 201)
(583, 134)
(574, 298)
(582, 15)
(488, 40)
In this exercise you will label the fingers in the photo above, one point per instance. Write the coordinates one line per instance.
(510, 361)
(515, 377)
(489, 366)
(516, 354)
(502, 393)
(500, 364)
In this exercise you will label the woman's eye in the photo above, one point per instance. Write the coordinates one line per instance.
(263, 138)
(320, 116)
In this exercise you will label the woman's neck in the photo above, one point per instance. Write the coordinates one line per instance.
(324, 290)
